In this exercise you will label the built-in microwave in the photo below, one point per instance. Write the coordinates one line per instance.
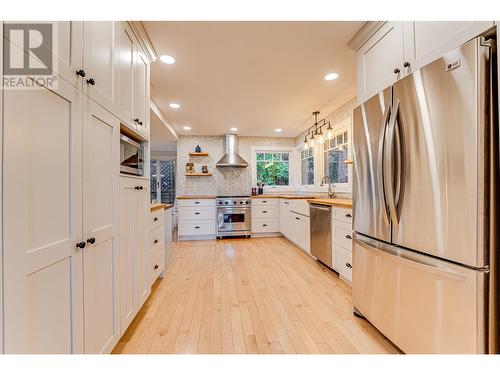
(131, 156)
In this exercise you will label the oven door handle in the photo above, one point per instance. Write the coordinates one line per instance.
(220, 219)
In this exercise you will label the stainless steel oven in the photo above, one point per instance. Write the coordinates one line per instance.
(234, 216)
(131, 156)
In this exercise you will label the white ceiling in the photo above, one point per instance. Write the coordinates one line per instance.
(256, 76)
(162, 140)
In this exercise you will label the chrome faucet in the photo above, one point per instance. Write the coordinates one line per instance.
(326, 179)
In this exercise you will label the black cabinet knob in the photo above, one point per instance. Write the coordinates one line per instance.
(156, 266)
(141, 188)
(348, 237)
(91, 240)
(140, 122)
(396, 71)
(91, 81)
(406, 64)
(81, 244)
(80, 73)
(136, 120)
(156, 241)
(348, 265)
(155, 219)
(297, 218)
(348, 215)
(136, 188)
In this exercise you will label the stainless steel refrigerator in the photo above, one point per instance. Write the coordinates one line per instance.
(425, 182)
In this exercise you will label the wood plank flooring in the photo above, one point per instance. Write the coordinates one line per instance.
(259, 295)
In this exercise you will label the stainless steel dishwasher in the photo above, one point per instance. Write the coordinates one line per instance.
(321, 233)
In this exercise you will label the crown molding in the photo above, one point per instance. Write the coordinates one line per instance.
(143, 38)
(365, 33)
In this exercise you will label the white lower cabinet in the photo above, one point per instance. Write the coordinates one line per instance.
(265, 216)
(156, 245)
(342, 242)
(196, 218)
(134, 227)
(294, 222)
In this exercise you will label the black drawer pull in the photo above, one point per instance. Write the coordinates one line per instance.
(348, 265)
(196, 202)
(156, 266)
(298, 218)
(196, 213)
(264, 212)
(80, 73)
(348, 216)
(156, 241)
(196, 227)
(348, 237)
(264, 201)
(264, 225)
(155, 219)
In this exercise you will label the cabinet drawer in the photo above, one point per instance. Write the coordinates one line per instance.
(270, 202)
(342, 234)
(197, 213)
(157, 265)
(196, 203)
(344, 263)
(201, 228)
(156, 219)
(265, 225)
(264, 212)
(300, 206)
(156, 238)
(342, 214)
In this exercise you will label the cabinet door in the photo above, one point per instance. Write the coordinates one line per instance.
(141, 92)
(99, 62)
(101, 132)
(42, 198)
(126, 44)
(379, 58)
(426, 41)
(70, 51)
(141, 226)
(129, 269)
(284, 217)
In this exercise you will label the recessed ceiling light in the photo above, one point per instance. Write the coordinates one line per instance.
(167, 59)
(278, 130)
(233, 129)
(175, 105)
(331, 76)
(186, 127)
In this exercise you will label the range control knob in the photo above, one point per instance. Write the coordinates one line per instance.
(219, 202)
(234, 202)
(225, 202)
(241, 202)
(248, 202)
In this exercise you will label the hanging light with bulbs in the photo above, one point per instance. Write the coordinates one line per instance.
(315, 132)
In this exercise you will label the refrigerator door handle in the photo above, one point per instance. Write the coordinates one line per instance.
(422, 262)
(388, 165)
(380, 176)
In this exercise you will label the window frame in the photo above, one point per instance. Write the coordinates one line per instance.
(314, 156)
(340, 127)
(292, 161)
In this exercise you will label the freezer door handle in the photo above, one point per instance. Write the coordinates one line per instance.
(425, 263)
(380, 162)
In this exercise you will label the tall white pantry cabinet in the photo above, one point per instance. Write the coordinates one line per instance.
(60, 189)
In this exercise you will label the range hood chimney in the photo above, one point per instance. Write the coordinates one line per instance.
(231, 157)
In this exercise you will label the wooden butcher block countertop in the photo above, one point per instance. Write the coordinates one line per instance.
(160, 206)
(332, 202)
(284, 196)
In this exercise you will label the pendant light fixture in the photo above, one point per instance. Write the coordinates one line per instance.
(315, 132)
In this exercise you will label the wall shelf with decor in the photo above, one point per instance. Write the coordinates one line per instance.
(198, 154)
(198, 174)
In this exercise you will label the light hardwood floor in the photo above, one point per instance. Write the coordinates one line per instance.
(249, 296)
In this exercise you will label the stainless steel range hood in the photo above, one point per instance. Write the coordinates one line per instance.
(231, 158)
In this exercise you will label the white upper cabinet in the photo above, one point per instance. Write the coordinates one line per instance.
(101, 132)
(99, 63)
(126, 45)
(380, 60)
(141, 92)
(429, 40)
(70, 51)
(398, 48)
(42, 199)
